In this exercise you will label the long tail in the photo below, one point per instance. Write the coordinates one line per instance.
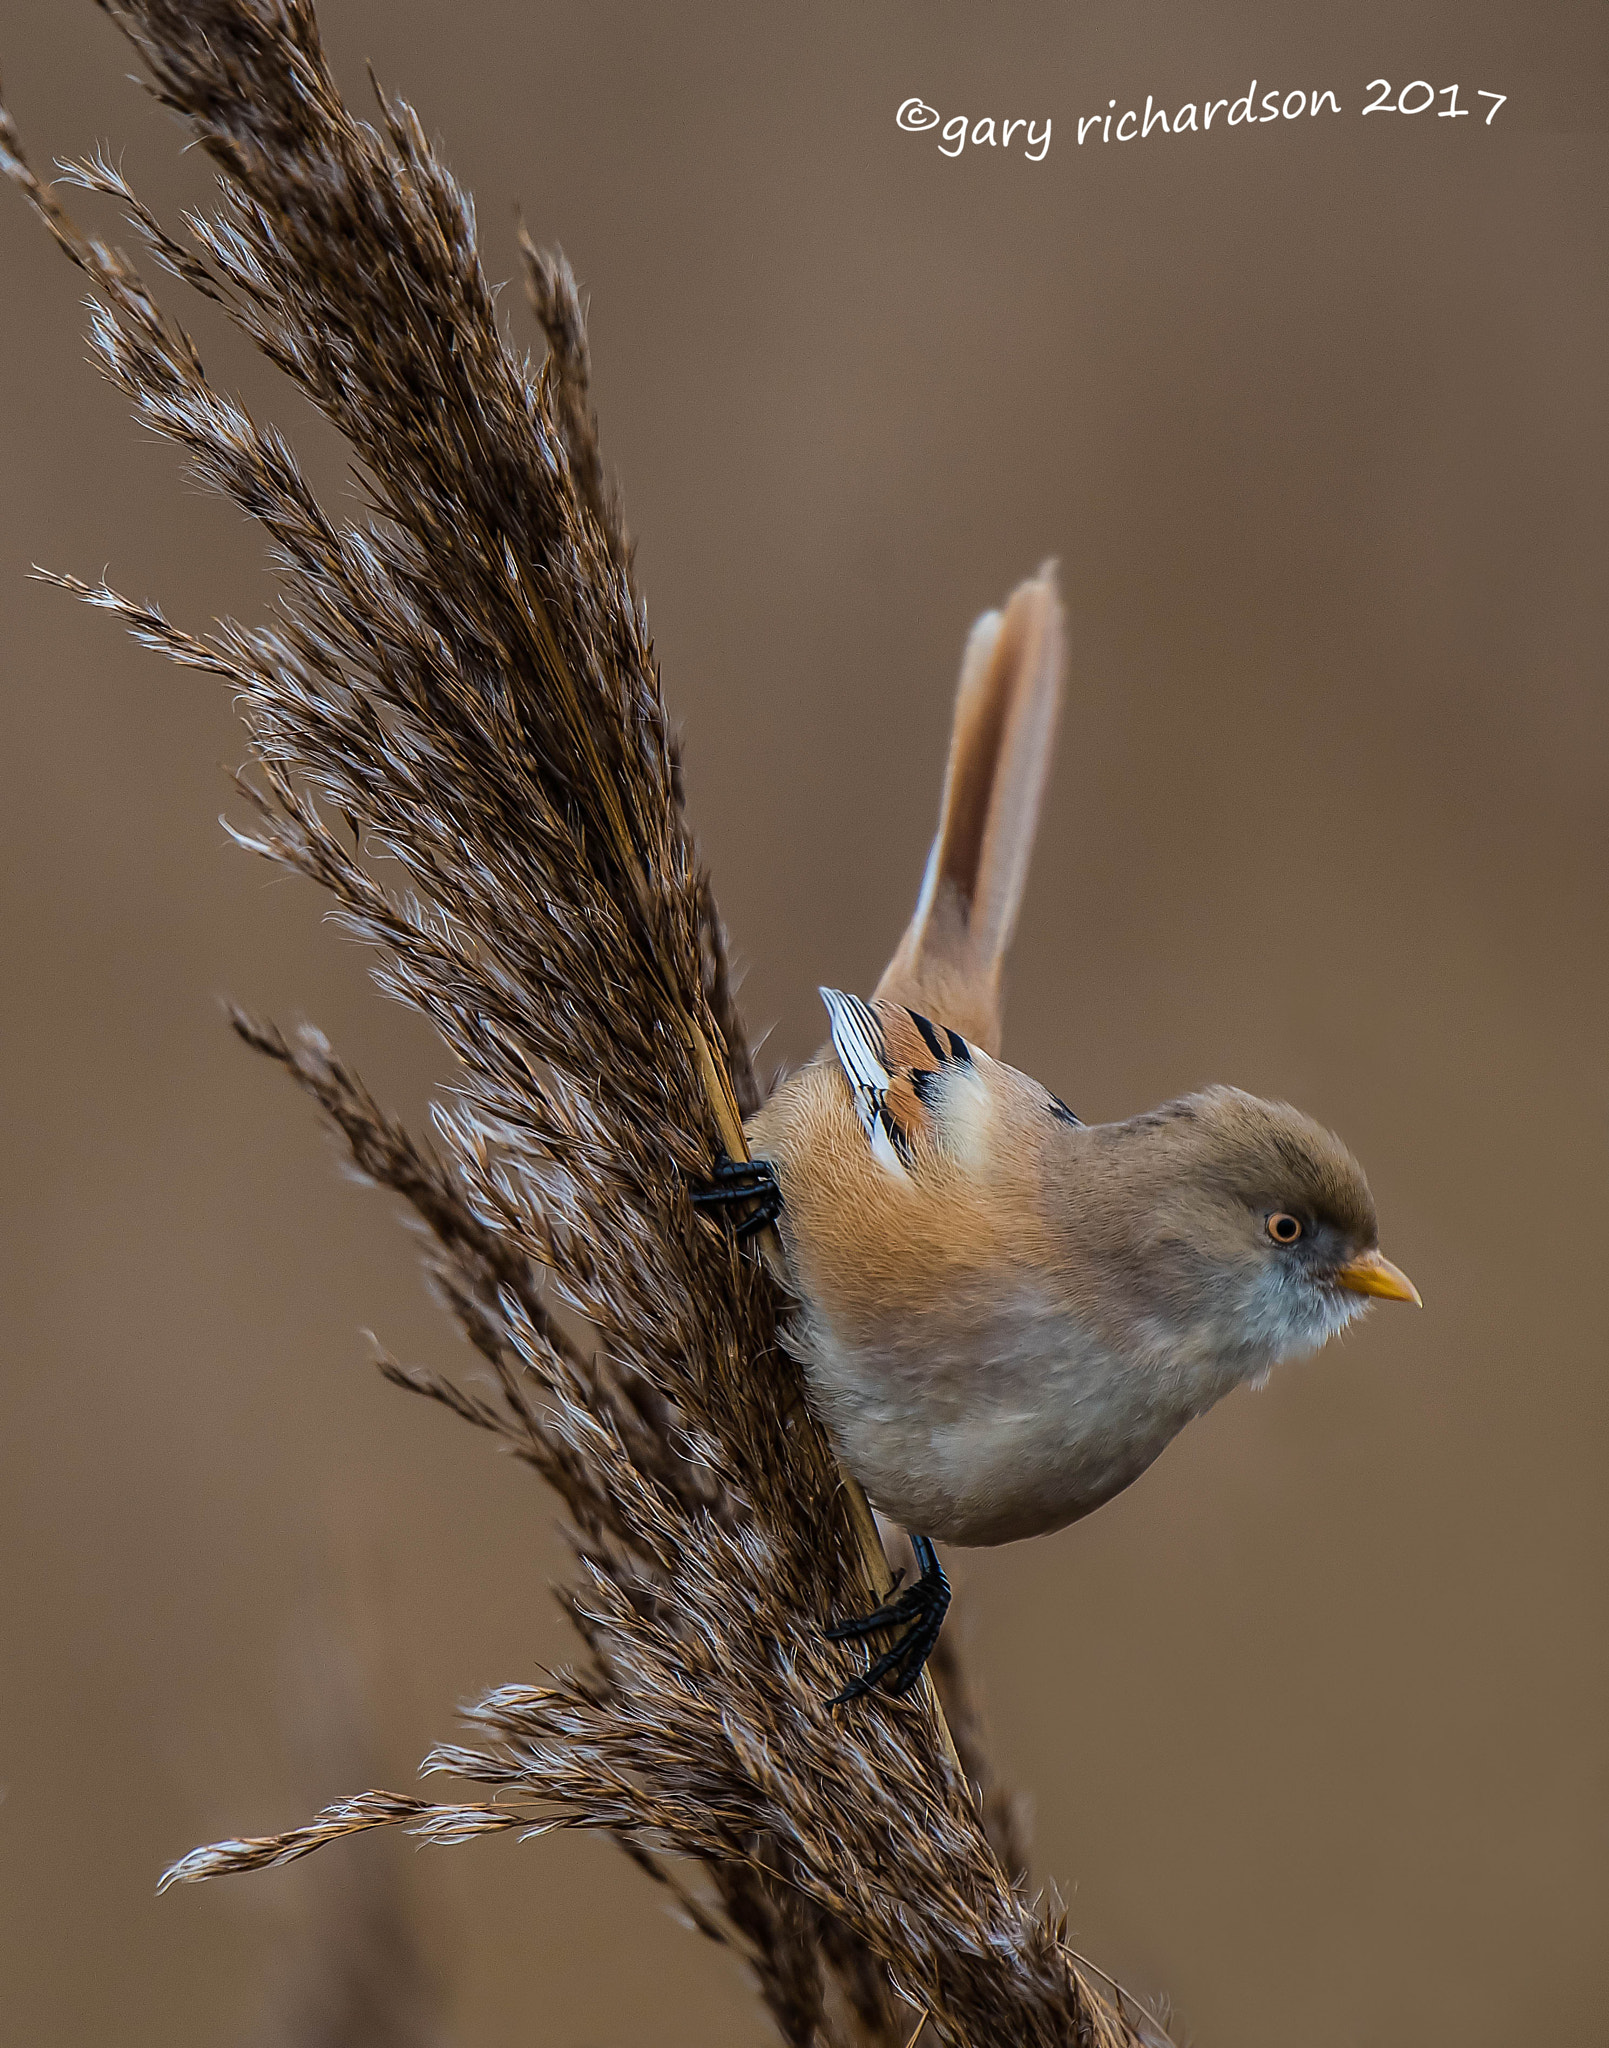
(949, 962)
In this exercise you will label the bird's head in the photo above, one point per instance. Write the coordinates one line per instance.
(1259, 1236)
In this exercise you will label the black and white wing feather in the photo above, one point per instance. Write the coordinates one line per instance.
(897, 1063)
(862, 1049)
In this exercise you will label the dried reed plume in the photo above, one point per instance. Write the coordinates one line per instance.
(465, 683)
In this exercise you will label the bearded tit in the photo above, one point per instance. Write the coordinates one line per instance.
(1006, 1314)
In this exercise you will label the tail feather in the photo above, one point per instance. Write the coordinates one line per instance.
(950, 959)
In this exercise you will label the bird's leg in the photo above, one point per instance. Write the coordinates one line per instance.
(923, 1607)
(739, 1182)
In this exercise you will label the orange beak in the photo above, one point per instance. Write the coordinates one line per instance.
(1373, 1273)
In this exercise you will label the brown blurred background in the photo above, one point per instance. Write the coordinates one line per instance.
(1313, 416)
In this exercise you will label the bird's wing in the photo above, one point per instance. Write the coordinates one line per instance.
(894, 1060)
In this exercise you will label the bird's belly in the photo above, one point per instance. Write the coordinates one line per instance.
(1002, 1424)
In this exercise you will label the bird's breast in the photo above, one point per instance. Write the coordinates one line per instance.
(994, 1417)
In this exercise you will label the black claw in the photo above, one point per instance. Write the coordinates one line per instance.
(768, 1209)
(924, 1606)
(911, 1606)
(747, 1183)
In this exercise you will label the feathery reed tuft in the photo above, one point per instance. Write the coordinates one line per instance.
(464, 684)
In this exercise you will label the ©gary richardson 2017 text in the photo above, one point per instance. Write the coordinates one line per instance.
(1417, 97)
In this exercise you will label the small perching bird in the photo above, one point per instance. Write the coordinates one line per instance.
(1005, 1314)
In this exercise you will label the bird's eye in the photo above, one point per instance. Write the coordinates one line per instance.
(1283, 1227)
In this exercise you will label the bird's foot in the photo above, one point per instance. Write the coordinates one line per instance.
(747, 1184)
(923, 1607)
